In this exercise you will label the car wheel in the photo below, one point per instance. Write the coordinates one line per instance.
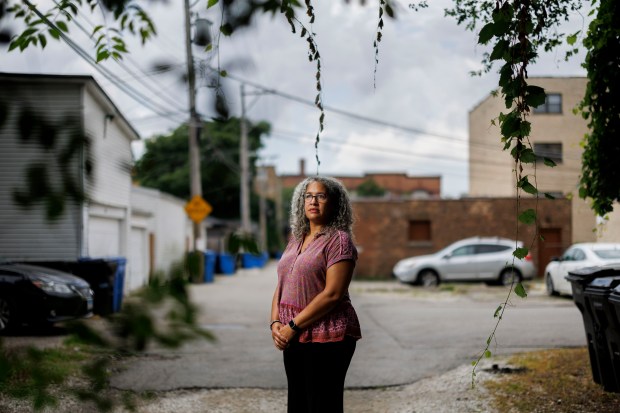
(506, 276)
(428, 278)
(549, 285)
(6, 314)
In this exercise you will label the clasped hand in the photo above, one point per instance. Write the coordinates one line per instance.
(282, 335)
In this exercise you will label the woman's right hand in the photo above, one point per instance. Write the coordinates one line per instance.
(278, 339)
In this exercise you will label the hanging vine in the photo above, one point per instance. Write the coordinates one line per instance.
(287, 8)
(517, 29)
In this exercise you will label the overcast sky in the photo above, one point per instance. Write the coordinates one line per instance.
(423, 86)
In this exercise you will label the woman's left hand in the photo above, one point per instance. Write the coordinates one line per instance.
(282, 336)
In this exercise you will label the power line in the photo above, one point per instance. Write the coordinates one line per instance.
(328, 108)
(156, 91)
(127, 89)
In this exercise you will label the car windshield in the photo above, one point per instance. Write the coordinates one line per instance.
(608, 254)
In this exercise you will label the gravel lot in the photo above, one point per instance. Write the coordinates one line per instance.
(448, 393)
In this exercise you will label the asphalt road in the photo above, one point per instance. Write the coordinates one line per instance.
(408, 334)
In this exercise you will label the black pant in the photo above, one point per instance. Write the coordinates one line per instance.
(315, 373)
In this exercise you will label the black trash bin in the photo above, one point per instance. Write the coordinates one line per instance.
(592, 287)
(613, 339)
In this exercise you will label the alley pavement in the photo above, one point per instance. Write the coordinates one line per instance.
(408, 334)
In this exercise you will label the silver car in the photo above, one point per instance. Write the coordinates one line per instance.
(480, 259)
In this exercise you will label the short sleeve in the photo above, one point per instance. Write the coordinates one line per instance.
(339, 248)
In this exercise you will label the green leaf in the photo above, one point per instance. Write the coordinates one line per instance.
(549, 162)
(28, 32)
(528, 156)
(528, 216)
(102, 55)
(500, 49)
(527, 186)
(62, 26)
(487, 353)
(15, 43)
(212, 3)
(54, 33)
(226, 29)
(43, 40)
(572, 39)
(223, 73)
(511, 126)
(520, 252)
(486, 33)
(498, 311)
(520, 290)
(535, 96)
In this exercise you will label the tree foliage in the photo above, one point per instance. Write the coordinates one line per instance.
(600, 179)
(165, 166)
(370, 188)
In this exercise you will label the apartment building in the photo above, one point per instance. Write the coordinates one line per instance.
(557, 133)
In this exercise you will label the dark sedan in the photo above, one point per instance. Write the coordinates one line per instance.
(37, 295)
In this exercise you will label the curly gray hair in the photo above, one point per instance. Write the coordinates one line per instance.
(342, 216)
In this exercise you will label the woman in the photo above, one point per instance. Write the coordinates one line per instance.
(312, 319)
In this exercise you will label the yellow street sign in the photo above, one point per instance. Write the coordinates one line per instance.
(198, 209)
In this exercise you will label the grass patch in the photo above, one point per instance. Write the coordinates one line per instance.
(552, 381)
(28, 372)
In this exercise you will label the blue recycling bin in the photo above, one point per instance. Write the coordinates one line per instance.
(254, 260)
(210, 257)
(119, 282)
(226, 263)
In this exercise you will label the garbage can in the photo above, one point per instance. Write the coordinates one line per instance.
(613, 339)
(119, 282)
(210, 257)
(249, 260)
(226, 263)
(591, 289)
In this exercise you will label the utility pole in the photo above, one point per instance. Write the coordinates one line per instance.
(245, 169)
(194, 122)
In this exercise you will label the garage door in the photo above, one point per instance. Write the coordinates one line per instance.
(104, 237)
(138, 259)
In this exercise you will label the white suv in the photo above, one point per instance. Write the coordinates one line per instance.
(479, 259)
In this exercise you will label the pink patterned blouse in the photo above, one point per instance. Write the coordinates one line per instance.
(301, 276)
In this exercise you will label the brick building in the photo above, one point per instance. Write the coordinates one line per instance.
(397, 185)
(389, 230)
(557, 133)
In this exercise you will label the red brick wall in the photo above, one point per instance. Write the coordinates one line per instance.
(395, 183)
(382, 227)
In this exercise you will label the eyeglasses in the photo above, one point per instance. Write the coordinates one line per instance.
(320, 197)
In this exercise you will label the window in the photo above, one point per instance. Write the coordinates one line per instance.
(489, 248)
(419, 231)
(553, 104)
(552, 151)
(465, 250)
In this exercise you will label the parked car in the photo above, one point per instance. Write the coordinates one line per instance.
(482, 259)
(575, 257)
(37, 295)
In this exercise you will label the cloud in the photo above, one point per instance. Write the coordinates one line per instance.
(422, 83)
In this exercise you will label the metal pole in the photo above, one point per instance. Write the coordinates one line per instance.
(262, 182)
(194, 150)
(245, 169)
